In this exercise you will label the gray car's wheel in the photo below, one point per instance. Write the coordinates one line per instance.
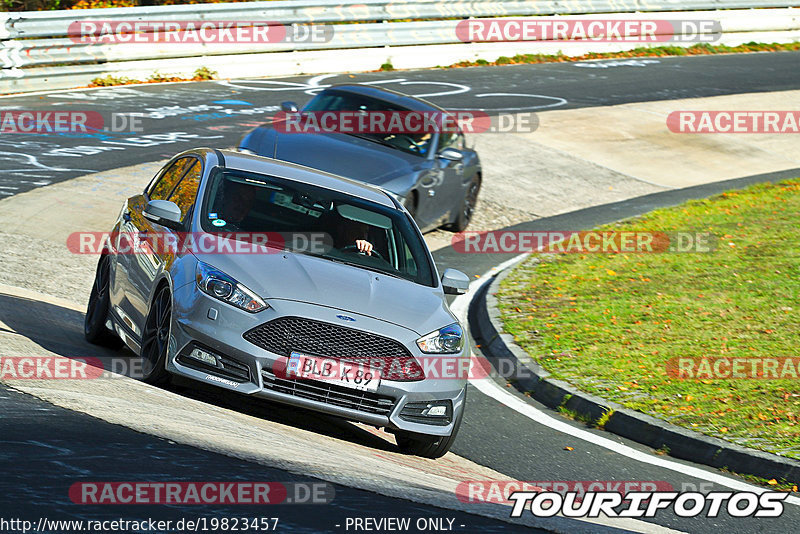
(155, 338)
(94, 323)
(426, 445)
(467, 208)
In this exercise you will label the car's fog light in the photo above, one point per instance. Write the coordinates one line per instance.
(203, 356)
(437, 411)
(429, 413)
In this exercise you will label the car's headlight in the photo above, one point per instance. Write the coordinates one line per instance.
(447, 340)
(223, 287)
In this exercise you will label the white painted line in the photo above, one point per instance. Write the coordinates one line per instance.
(488, 387)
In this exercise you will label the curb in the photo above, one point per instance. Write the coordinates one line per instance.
(509, 359)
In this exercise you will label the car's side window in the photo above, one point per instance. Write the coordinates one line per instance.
(164, 185)
(185, 192)
(451, 140)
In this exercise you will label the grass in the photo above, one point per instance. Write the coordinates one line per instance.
(609, 323)
(773, 484)
(656, 51)
(200, 74)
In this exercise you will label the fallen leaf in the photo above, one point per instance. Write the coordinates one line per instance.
(772, 482)
(569, 448)
(610, 272)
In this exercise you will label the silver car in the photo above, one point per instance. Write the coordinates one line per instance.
(284, 282)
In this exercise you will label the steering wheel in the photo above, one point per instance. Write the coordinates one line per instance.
(354, 248)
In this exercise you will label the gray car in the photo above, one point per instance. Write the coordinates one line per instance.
(437, 177)
(340, 309)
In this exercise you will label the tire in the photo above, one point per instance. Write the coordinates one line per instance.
(425, 445)
(94, 322)
(467, 207)
(155, 338)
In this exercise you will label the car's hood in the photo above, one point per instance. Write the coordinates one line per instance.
(322, 282)
(340, 154)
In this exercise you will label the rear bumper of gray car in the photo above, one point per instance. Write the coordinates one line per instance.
(203, 322)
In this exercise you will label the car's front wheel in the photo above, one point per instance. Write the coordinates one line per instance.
(467, 207)
(155, 338)
(94, 323)
(426, 445)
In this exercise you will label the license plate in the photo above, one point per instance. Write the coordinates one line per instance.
(349, 375)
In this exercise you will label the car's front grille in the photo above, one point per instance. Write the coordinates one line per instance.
(362, 401)
(288, 334)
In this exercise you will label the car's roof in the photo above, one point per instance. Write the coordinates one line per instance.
(292, 171)
(386, 95)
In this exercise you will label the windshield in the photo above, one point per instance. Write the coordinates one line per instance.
(412, 143)
(340, 228)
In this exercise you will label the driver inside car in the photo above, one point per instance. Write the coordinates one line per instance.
(237, 201)
(354, 234)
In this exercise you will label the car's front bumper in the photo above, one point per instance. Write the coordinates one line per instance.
(193, 325)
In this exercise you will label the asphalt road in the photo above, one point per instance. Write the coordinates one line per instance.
(45, 449)
(180, 116)
(494, 435)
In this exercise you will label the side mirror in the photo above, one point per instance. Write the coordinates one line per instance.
(289, 107)
(163, 212)
(451, 154)
(454, 282)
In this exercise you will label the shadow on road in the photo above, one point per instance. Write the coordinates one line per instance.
(59, 330)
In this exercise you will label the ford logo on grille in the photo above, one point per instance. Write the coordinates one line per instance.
(346, 318)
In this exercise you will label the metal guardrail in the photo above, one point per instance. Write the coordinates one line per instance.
(55, 23)
(41, 41)
(43, 52)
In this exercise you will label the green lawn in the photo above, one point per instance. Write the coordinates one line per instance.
(609, 323)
